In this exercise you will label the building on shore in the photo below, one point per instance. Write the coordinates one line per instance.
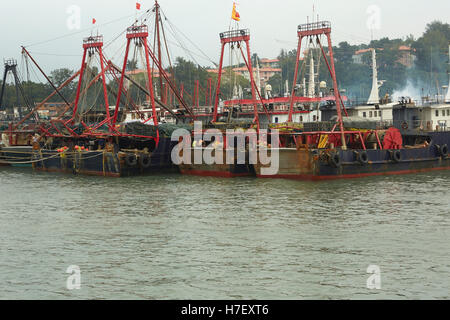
(406, 56)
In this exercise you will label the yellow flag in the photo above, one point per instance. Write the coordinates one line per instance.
(235, 15)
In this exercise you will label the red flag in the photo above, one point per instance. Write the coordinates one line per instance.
(94, 21)
(138, 6)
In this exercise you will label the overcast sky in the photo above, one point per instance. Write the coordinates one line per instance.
(272, 24)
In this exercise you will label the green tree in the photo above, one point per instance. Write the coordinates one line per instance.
(277, 84)
(131, 65)
(59, 76)
(432, 47)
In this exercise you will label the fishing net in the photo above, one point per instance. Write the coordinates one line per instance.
(165, 129)
(234, 124)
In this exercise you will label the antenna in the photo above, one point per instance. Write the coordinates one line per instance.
(313, 12)
(447, 97)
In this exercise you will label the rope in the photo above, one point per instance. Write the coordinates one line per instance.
(42, 153)
(78, 32)
(97, 155)
(29, 162)
(182, 45)
(172, 26)
(11, 157)
(55, 54)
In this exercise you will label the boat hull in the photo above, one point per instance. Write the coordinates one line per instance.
(223, 170)
(303, 164)
(16, 156)
(102, 163)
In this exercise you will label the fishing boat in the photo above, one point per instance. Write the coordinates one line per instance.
(345, 149)
(289, 113)
(107, 156)
(91, 136)
(105, 144)
(235, 38)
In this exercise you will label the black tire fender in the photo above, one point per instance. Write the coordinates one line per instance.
(362, 157)
(145, 160)
(396, 156)
(335, 160)
(442, 150)
(131, 160)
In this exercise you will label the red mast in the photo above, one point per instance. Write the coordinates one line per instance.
(236, 37)
(140, 35)
(310, 30)
(92, 45)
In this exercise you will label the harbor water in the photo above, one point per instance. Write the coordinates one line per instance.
(183, 237)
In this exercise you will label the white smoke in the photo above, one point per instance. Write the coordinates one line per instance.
(408, 91)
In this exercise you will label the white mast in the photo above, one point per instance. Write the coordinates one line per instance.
(258, 76)
(156, 92)
(304, 87)
(447, 97)
(312, 78)
(286, 89)
(235, 92)
(374, 97)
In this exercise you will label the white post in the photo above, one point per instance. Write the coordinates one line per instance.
(312, 78)
(374, 97)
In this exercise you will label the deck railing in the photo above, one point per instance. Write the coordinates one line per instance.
(314, 26)
(234, 33)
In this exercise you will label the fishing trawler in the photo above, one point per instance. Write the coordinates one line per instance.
(349, 151)
(225, 168)
(106, 144)
(91, 136)
(289, 113)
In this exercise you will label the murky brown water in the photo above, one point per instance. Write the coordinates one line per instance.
(177, 237)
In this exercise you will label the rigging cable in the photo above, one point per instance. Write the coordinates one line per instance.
(193, 43)
(77, 32)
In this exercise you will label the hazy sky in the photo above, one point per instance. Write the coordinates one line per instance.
(272, 24)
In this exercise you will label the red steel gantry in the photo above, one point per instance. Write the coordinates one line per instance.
(236, 37)
(140, 35)
(91, 46)
(310, 30)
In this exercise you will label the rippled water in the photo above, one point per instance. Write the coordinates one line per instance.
(178, 237)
